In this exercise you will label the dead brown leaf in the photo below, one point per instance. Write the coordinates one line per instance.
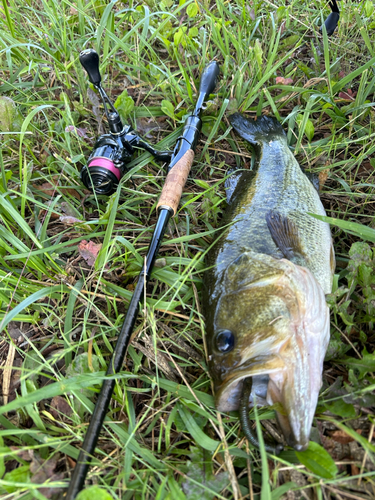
(341, 437)
(284, 81)
(8, 371)
(323, 176)
(47, 188)
(349, 95)
(60, 407)
(43, 471)
(355, 470)
(89, 250)
(67, 219)
(21, 453)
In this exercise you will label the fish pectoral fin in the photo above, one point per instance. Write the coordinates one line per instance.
(285, 234)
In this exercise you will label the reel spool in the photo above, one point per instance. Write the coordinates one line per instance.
(105, 166)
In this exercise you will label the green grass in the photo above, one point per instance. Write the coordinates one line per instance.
(163, 438)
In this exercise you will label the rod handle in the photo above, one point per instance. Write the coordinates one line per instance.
(175, 182)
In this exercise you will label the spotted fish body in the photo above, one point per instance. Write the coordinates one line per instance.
(265, 285)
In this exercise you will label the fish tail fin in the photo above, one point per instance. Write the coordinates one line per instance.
(264, 129)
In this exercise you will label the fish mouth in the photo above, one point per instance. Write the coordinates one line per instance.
(290, 380)
(271, 385)
(228, 393)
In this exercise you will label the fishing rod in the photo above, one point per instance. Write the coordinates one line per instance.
(102, 174)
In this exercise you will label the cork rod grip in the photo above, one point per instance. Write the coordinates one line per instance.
(175, 182)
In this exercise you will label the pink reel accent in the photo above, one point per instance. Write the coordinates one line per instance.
(104, 163)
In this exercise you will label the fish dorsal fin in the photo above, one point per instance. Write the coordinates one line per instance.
(285, 234)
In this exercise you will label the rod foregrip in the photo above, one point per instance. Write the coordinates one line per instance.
(175, 182)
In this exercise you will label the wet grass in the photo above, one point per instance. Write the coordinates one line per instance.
(60, 316)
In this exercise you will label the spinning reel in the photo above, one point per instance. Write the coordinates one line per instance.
(107, 163)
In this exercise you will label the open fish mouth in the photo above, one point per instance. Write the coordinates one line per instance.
(284, 365)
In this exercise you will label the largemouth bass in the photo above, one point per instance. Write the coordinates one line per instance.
(267, 321)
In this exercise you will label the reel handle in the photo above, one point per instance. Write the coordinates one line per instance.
(90, 61)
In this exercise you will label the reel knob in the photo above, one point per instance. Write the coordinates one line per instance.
(209, 79)
(90, 61)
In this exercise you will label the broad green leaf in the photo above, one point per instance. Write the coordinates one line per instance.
(94, 493)
(201, 483)
(198, 435)
(19, 475)
(192, 10)
(318, 461)
(8, 113)
(362, 366)
(167, 108)
(177, 37)
(369, 8)
(290, 40)
(258, 51)
(79, 366)
(339, 407)
(281, 490)
(124, 104)
(309, 130)
(193, 32)
(202, 184)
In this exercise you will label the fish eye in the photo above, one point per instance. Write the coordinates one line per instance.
(224, 341)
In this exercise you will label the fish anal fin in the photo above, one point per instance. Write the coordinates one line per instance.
(285, 234)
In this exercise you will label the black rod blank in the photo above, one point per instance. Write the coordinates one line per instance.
(102, 404)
